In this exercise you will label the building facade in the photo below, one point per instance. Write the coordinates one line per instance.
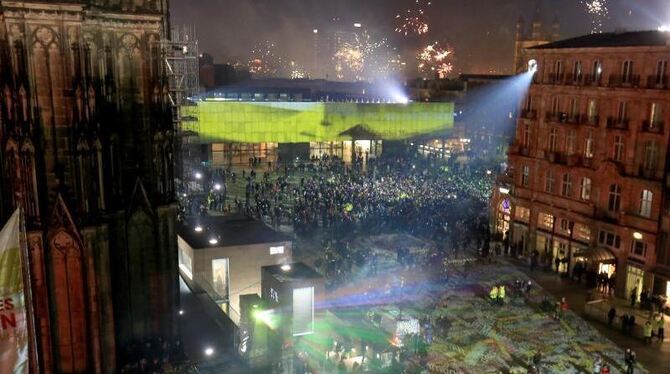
(86, 151)
(587, 179)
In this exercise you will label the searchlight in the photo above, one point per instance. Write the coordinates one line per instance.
(532, 65)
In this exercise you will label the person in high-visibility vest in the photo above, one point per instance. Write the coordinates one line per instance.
(501, 294)
(494, 294)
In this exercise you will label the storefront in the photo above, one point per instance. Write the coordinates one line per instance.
(634, 280)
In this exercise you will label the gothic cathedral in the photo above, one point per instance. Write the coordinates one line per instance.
(86, 148)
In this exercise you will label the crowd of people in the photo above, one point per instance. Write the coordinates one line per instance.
(421, 196)
(155, 356)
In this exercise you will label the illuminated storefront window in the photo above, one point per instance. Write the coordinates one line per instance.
(504, 211)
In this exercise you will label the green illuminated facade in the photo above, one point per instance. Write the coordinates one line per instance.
(303, 122)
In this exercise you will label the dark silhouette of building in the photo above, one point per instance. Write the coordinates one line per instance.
(86, 151)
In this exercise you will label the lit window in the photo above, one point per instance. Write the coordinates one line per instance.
(525, 176)
(617, 152)
(553, 139)
(586, 189)
(589, 145)
(277, 250)
(646, 198)
(546, 220)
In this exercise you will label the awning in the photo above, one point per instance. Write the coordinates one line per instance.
(597, 254)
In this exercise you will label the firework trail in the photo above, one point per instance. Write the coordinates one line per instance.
(599, 12)
(436, 60)
(413, 21)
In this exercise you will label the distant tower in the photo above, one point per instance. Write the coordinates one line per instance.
(523, 41)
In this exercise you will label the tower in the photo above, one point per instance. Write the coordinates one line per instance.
(86, 149)
(537, 37)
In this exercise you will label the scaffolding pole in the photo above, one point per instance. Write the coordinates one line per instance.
(180, 58)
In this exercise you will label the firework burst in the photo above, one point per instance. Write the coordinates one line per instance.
(351, 58)
(436, 60)
(413, 20)
(264, 60)
(599, 12)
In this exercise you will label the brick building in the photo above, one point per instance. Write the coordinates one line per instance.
(86, 149)
(588, 177)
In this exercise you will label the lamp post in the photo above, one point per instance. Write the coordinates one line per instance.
(571, 226)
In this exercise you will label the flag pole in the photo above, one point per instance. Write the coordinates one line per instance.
(33, 359)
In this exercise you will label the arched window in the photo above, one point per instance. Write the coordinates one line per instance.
(566, 185)
(646, 198)
(29, 180)
(83, 175)
(586, 189)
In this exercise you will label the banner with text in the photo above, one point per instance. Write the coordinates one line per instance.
(13, 327)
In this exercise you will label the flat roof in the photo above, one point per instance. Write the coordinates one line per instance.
(235, 230)
(298, 271)
(612, 40)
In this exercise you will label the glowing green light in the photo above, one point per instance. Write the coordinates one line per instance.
(301, 122)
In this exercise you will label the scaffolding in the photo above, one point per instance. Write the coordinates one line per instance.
(181, 62)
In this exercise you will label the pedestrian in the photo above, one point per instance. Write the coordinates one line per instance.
(597, 365)
(537, 359)
(493, 294)
(611, 315)
(629, 360)
(631, 324)
(501, 294)
(528, 287)
(605, 369)
(660, 327)
(633, 297)
(647, 331)
(624, 323)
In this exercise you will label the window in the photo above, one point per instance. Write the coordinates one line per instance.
(622, 112)
(570, 142)
(588, 145)
(277, 250)
(597, 70)
(646, 198)
(546, 221)
(585, 189)
(650, 155)
(525, 176)
(522, 214)
(614, 201)
(566, 185)
(529, 103)
(627, 72)
(655, 115)
(609, 239)
(574, 107)
(617, 152)
(592, 110)
(565, 225)
(549, 182)
(558, 69)
(582, 232)
(553, 139)
(526, 135)
(555, 105)
(638, 249)
(661, 71)
(577, 71)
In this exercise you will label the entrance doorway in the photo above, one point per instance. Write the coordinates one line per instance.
(634, 280)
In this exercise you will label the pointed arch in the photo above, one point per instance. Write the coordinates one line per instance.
(29, 173)
(12, 170)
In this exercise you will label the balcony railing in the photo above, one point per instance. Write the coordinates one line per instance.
(658, 82)
(656, 127)
(574, 79)
(617, 123)
(556, 157)
(529, 114)
(554, 78)
(593, 80)
(591, 121)
(624, 81)
(587, 162)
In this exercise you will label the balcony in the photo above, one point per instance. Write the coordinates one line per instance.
(556, 157)
(655, 127)
(617, 123)
(519, 149)
(528, 114)
(657, 82)
(591, 121)
(554, 78)
(595, 80)
(649, 173)
(624, 81)
(574, 80)
(587, 162)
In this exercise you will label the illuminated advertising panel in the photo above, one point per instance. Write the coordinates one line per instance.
(302, 122)
(303, 311)
(220, 277)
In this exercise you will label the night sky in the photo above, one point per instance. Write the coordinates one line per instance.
(480, 31)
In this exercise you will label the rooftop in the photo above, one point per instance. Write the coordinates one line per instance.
(229, 231)
(612, 40)
(296, 271)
